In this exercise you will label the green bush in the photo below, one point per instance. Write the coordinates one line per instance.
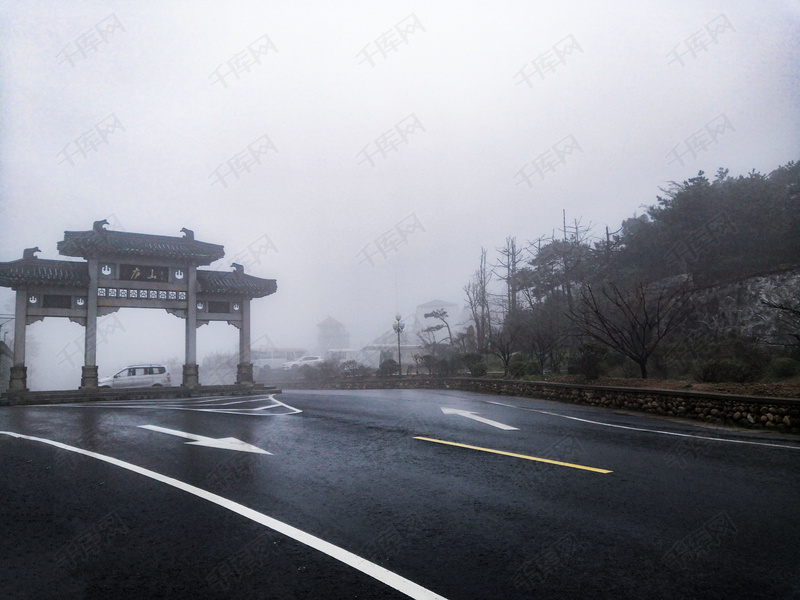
(478, 369)
(781, 368)
(352, 368)
(310, 373)
(388, 367)
(470, 359)
(532, 367)
(726, 370)
(517, 369)
(442, 368)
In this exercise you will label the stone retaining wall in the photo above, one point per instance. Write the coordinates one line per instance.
(778, 414)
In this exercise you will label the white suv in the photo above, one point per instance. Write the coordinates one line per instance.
(138, 376)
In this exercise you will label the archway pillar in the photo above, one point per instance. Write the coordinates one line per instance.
(89, 370)
(191, 371)
(244, 370)
(18, 381)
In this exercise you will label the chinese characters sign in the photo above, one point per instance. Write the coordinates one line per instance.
(142, 273)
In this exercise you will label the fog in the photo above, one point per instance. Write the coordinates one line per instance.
(361, 153)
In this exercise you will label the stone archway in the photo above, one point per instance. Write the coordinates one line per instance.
(131, 270)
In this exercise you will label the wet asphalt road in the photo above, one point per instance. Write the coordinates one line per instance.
(685, 511)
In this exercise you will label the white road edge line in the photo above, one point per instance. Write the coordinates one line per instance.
(393, 580)
(699, 437)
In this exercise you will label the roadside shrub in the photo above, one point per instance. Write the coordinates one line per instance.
(310, 373)
(532, 367)
(429, 362)
(442, 368)
(388, 367)
(352, 368)
(726, 370)
(518, 369)
(587, 361)
(470, 359)
(781, 368)
(329, 370)
(478, 369)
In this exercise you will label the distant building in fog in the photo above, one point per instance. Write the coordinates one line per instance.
(331, 335)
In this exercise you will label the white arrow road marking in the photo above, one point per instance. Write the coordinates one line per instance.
(474, 417)
(228, 443)
(391, 579)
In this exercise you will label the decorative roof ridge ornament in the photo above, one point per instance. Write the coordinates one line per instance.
(238, 269)
(30, 253)
(109, 244)
(188, 234)
(98, 226)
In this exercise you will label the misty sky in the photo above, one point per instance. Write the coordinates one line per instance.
(361, 153)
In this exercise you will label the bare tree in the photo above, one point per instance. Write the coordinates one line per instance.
(510, 257)
(464, 342)
(634, 320)
(477, 291)
(544, 332)
(504, 342)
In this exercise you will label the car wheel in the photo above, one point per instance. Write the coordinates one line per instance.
(157, 385)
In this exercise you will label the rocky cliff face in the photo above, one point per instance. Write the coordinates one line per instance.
(737, 308)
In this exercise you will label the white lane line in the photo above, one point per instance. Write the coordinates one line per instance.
(393, 580)
(164, 401)
(250, 413)
(471, 415)
(242, 402)
(699, 437)
(292, 408)
(192, 404)
(143, 401)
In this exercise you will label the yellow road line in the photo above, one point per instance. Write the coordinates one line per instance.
(544, 460)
